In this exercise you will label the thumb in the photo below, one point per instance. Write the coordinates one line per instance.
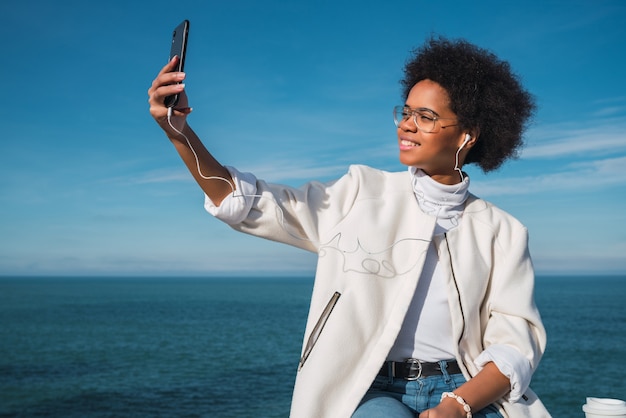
(178, 111)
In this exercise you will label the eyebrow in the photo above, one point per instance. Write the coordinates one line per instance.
(422, 109)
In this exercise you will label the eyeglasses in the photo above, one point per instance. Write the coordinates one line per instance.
(424, 119)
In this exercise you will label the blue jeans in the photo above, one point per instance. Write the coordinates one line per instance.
(399, 398)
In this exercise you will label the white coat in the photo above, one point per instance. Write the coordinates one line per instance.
(372, 239)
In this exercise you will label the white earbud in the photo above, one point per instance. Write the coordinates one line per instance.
(456, 162)
(467, 138)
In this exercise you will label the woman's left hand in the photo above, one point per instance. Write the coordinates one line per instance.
(445, 409)
(481, 390)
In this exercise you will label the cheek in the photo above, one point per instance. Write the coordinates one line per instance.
(442, 146)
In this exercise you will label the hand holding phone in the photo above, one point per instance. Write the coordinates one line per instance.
(178, 48)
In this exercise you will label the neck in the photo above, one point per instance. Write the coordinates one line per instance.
(448, 179)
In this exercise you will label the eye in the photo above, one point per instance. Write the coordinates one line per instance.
(425, 117)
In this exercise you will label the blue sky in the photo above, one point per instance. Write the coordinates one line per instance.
(292, 91)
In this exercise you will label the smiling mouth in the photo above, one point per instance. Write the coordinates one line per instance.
(408, 144)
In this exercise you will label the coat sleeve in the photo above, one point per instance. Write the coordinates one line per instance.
(512, 318)
(236, 206)
(296, 216)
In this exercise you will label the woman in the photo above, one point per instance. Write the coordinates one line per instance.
(423, 298)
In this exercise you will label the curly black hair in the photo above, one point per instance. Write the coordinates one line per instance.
(484, 94)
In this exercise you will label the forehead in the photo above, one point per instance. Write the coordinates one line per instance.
(428, 94)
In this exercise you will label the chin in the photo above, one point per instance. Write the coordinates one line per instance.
(407, 161)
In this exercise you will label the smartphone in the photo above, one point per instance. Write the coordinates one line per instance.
(178, 48)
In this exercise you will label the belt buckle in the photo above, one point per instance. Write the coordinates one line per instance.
(414, 368)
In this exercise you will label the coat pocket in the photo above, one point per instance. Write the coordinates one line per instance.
(317, 329)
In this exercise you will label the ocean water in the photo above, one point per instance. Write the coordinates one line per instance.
(140, 347)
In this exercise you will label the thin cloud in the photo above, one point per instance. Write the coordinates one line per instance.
(289, 169)
(277, 170)
(152, 177)
(579, 176)
(610, 111)
(598, 137)
(173, 176)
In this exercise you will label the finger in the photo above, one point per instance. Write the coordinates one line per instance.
(166, 79)
(170, 66)
(167, 72)
(157, 94)
(167, 75)
(183, 111)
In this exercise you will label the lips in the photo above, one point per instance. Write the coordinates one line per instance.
(406, 144)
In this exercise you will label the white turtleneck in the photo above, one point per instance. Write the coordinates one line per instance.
(426, 333)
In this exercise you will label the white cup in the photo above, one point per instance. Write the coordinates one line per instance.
(604, 407)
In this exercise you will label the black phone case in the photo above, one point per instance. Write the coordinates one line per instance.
(178, 48)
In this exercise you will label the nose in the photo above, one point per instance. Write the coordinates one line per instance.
(407, 124)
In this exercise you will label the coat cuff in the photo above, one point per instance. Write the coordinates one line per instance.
(512, 364)
(236, 206)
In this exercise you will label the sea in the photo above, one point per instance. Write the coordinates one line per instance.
(229, 347)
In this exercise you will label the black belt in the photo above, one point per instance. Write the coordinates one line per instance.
(413, 369)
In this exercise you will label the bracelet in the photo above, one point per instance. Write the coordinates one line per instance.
(460, 400)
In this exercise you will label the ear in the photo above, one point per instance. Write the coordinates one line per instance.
(469, 138)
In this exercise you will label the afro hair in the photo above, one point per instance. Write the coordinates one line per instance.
(484, 94)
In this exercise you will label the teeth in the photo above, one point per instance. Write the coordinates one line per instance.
(408, 143)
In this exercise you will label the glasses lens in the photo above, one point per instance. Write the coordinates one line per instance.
(425, 121)
(399, 114)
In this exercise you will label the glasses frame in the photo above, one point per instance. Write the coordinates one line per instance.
(412, 113)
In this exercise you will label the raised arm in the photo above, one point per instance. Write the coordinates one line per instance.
(210, 175)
